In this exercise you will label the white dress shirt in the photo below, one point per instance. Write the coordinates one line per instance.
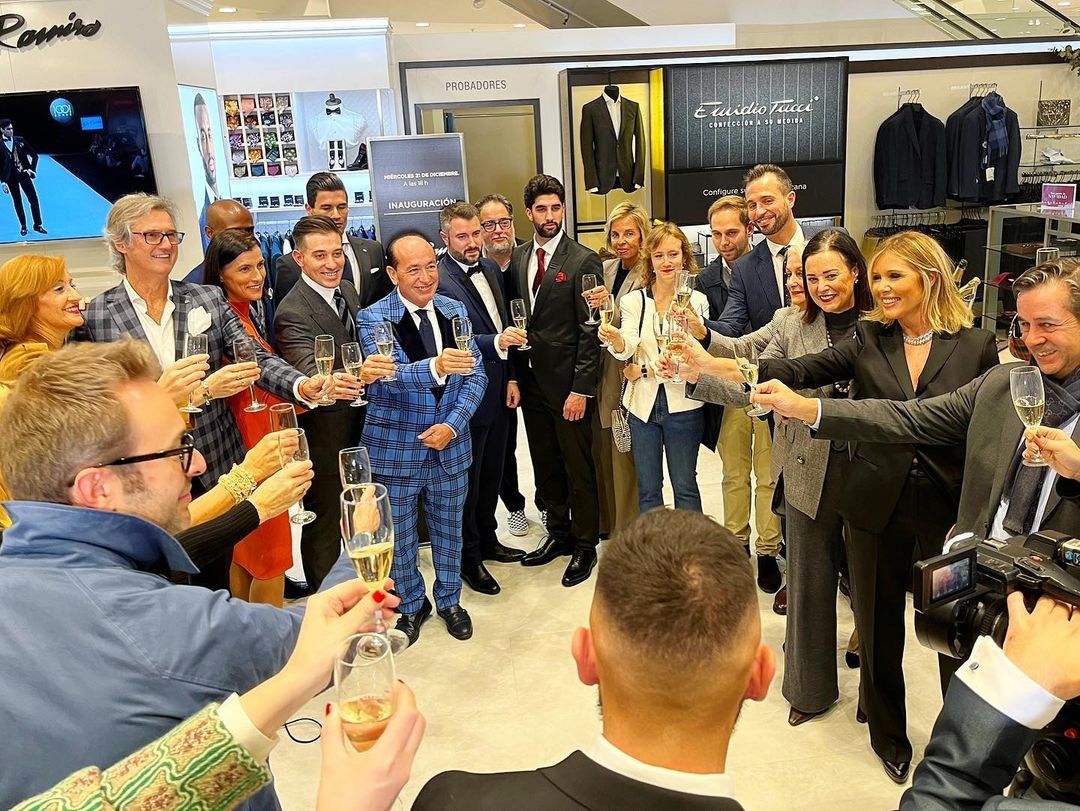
(604, 753)
(994, 678)
(549, 250)
(487, 295)
(778, 260)
(325, 293)
(614, 109)
(414, 311)
(160, 336)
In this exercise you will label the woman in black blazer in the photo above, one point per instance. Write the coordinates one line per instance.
(899, 500)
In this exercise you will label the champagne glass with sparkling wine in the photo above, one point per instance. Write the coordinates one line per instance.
(463, 335)
(364, 677)
(324, 361)
(749, 367)
(520, 315)
(353, 361)
(684, 286)
(282, 417)
(195, 345)
(297, 453)
(384, 342)
(607, 312)
(588, 282)
(244, 352)
(367, 528)
(676, 344)
(1029, 400)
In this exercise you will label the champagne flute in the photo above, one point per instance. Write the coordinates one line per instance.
(353, 360)
(463, 335)
(660, 333)
(364, 678)
(676, 344)
(367, 528)
(282, 417)
(520, 314)
(244, 352)
(749, 367)
(1029, 399)
(684, 286)
(298, 454)
(384, 342)
(324, 361)
(354, 465)
(195, 345)
(588, 282)
(607, 312)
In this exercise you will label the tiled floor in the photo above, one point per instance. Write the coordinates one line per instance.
(509, 698)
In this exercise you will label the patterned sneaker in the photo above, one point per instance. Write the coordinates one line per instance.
(517, 523)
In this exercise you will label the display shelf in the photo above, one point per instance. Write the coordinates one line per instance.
(1051, 127)
(260, 135)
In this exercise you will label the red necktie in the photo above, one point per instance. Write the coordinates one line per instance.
(539, 270)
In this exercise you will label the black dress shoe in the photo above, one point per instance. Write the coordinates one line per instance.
(409, 624)
(479, 579)
(503, 554)
(898, 772)
(22, 231)
(860, 716)
(580, 567)
(457, 619)
(296, 589)
(851, 659)
(796, 717)
(40, 229)
(768, 574)
(779, 603)
(553, 546)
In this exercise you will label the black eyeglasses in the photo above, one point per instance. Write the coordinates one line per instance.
(186, 452)
(491, 225)
(155, 237)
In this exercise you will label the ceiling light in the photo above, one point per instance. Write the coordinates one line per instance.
(519, 25)
(227, 9)
(422, 25)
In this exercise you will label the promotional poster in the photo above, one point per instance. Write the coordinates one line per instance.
(201, 113)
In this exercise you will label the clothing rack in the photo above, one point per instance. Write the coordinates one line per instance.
(982, 88)
(907, 97)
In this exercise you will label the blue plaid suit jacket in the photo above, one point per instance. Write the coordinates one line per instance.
(400, 410)
(111, 315)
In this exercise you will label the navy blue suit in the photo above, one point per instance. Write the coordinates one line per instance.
(489, 426)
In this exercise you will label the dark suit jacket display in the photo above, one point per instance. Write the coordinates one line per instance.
(370, 286)
(27, 156)
(753, 297)
(971, 758)
(607, 155)
(574, 784)
(455, 284)
(966, 179)
(565, 352)
(874, 361)
(981, 410)
(909, 160)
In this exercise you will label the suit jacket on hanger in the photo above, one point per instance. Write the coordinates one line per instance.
(607, 155)
(909, 160)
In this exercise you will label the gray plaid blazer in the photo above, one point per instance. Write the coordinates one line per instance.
(111, 315)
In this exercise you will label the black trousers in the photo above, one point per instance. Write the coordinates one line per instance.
(479, 527)
(561, 453)
(213, 574)
(24, 182)
(880, 571)
(328, 430)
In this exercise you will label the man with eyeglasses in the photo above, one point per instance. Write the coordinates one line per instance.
(101, 654)
(143, 243)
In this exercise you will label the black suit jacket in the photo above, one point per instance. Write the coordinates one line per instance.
(874, 361)
(27, 156)
(974, 186)
(565, 353)
(369, 286)
(606, 154)
(711, 282)
(454, 283)
(909, 160)
(574, 784)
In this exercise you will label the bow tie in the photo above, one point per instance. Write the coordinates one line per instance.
(469, 271)
(334, 112)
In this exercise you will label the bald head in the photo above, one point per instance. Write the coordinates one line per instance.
(224, 214)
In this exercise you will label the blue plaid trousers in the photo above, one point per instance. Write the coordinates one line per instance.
(444, 502)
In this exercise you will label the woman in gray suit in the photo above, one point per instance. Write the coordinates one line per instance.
(834, 277)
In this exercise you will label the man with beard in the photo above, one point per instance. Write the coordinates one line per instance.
(205, 143)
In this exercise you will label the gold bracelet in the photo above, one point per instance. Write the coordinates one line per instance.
(239, 483)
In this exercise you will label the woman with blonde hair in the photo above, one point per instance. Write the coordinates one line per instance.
(898, 501)
(664, 422)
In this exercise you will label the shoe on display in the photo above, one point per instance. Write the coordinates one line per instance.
(517, 523)
(768, 574)
(1055, 156)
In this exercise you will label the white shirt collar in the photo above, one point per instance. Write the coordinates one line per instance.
(327, 293)
(550, 246)
(606, 754)
(609, 99)
(796, 239)
(463, 266)
(413, 308)
(137, 299)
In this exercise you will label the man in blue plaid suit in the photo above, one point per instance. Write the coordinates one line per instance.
(417, 430)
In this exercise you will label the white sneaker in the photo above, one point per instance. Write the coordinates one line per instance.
(517, 523)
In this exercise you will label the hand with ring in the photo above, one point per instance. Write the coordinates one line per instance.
(228, 380)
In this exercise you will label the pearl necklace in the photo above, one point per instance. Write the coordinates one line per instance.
(919, 340)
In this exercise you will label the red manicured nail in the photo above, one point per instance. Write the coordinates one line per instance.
(327, 712)
(378, 597)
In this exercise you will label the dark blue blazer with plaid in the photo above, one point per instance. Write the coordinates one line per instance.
(398, 411)
(111, 316)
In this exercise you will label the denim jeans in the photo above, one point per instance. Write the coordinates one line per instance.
(679, 435)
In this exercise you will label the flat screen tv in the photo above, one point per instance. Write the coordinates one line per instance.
(66, 157)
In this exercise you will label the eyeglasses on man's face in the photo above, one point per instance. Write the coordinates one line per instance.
(186, 452)
(491, 225)
(156, 237)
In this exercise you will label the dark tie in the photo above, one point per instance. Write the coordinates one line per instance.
(343, 313)
(469, 271)
(539, 270)
(427, 336)
(782, 253)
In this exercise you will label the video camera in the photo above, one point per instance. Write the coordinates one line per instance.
(961, 595)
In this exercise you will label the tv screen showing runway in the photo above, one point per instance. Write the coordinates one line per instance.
(65, 157)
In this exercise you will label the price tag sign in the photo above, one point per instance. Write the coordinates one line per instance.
(1058, 196)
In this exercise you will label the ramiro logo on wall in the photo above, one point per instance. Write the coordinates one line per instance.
(74, 27)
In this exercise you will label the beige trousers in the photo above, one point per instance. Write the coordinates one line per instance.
(746, 442)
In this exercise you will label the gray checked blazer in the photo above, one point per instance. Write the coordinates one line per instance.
(802, 459)
(111, 315)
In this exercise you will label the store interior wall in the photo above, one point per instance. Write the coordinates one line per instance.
(130, 49)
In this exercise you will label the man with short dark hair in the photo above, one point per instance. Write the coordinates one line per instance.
(18, 168)
(221, 215)
(364, 258)
(672, 581)
(558, 379)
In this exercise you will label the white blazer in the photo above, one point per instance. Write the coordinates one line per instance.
(640, 395)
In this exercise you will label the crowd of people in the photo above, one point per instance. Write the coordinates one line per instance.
(147, 486)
